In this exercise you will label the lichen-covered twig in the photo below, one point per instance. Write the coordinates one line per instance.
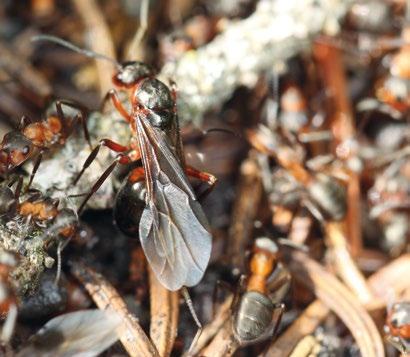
(276, 31)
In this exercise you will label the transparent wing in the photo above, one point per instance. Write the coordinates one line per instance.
(84, 333)
(173, 229)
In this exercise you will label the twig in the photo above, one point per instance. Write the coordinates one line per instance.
(248, 197)
(275, 32)
(132, 336)
(99, 40)
(164, 315)
(329, 59)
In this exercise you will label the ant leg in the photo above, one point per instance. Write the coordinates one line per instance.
(137, 174)
(204, 177)
(313, 209)
(103, 142)
(218, 286)
(35, 168)
(24, 121)
(79, 117)
(122, 159)
(113, 96)
(277, 316)
(188, 301)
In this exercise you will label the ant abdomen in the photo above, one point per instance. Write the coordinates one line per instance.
(330, 195)
(253, 305)
(129, 205)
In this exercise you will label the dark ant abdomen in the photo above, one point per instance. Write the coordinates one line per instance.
(129, 205)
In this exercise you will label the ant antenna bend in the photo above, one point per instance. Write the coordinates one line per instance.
(74, 48)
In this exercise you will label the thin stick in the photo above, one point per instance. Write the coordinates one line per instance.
(135, 45)
(132, 336)
(248, 197)
(329, 59)
(100, 40)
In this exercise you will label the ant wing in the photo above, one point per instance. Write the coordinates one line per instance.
(173, 229)
(87, 333)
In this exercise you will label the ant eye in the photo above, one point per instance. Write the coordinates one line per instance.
(26, 150)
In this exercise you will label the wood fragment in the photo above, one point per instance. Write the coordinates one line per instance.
(132, 336)
(164, 315)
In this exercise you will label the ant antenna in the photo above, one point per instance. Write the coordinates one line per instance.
(74, 48)
(221, 130)
(188, 301)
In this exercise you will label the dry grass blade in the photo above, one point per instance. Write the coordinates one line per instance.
(224, 344)
(96, 28)
(304, 325)
(164, 315)
(132, 336)
(389, 281)
(345, 266)
(341, 301)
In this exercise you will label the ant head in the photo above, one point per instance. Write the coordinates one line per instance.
(130, 73)
(14, 150)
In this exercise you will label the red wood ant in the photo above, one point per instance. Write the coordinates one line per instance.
(173, 229)
(37, 208)
(398, 326)
(259, 309)
(33, 138)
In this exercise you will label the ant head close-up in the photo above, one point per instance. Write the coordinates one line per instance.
(14, 150)
(130, 73)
